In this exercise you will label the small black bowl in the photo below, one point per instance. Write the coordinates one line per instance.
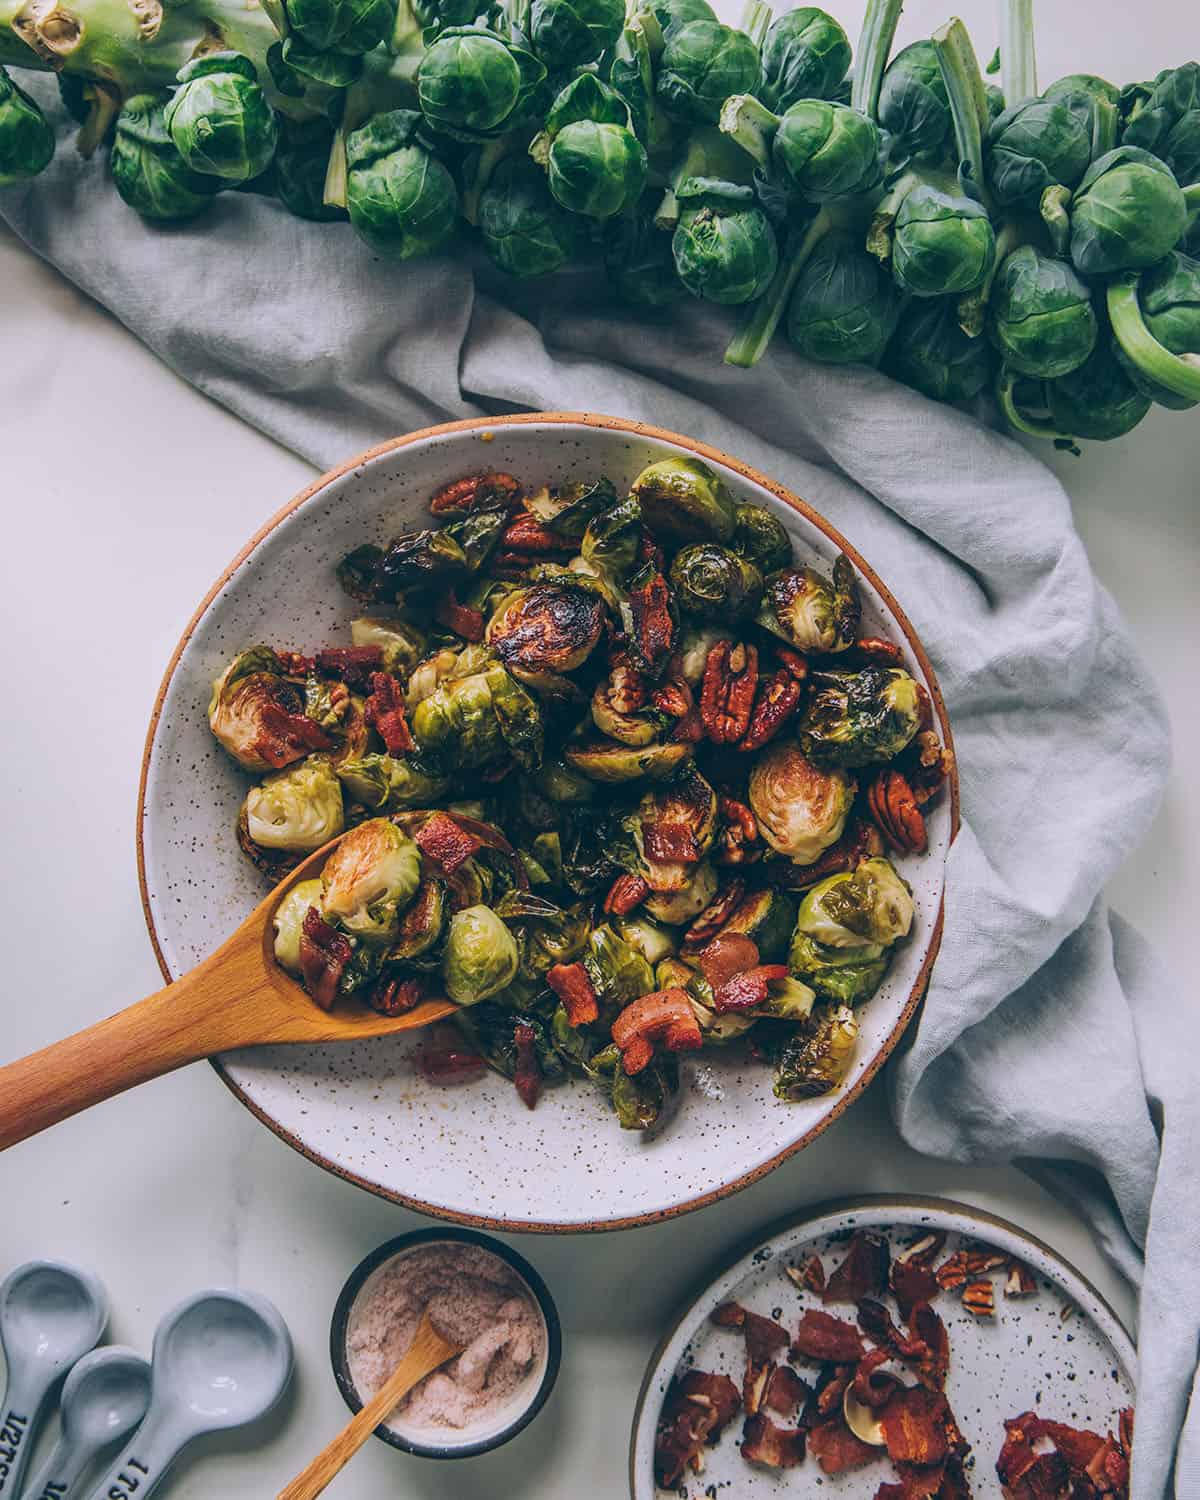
(537, 1287)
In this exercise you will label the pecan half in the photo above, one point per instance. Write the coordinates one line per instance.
(1020, 1281)
(980, 1299)
(715, 914)
(777, 702)
(738, 843)
(952, 1273)
(673, 698)
(626, 685)
(872, 651)
(895, 811)
(925, 765)
(626, 892)
(860, 841)
(525, 533)
(461, 496)
(792, 662)
(727, 694)
(393, 997)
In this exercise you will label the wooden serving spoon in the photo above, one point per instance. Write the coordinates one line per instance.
(239, 997)
(426, 1353)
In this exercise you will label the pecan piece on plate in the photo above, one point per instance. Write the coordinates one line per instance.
(979, 1298)
(461, 496)
(525, 533)
(727, 693)
(895, 811)
(1020, 1281)
(394, 997)
(777, 702)
(626, 892)
(715, 914)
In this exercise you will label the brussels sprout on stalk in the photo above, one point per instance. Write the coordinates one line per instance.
(524, 229)
(1156, 321)
(684, 499)
(801, 808)
(348, 27)
(724, 247)
(702, 64)
(930, 352)
(1164, 117)
(300, 169)
(26, 136)
(1033, 145)
(474, 83)
(914, 107)
(943, 243)
(1040, 316)
(818, 149)
(715, 583)
(480, 957)
(594, 162)
(569, 33)
(298, 809)
(219, 118)
(805, 55)
(369, 879)
(401, 199)
(148, 171)
(1098, 401)
(1095, 103)
(844, 307)
(859, 718)
(640, 262)
(813, 612)
(1127, 212)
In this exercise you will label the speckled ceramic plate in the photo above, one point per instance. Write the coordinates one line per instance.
(472, 1153)
(1062, 1352)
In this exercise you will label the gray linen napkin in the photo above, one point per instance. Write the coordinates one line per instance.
(1048, 1037)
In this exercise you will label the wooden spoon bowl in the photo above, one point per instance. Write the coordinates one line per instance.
(238, 997)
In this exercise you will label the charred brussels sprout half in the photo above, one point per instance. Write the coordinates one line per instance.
(673, 829)
(815, 1059)
(859, 718)
(615, 763)
(801, 809)
(257, 715)
(148, 171)
(474, 83)
(401, 199)
(944, 243)
(618, 971)
(1040, 315)
(421, 926)
(702, 64)
(26, 136)
(595, 164)
(682, 498)
(930, 352)
(569, 33)
(477, 720)
(402, 644)
(546, 628)
(914, 108)
(568, 510)
(384, 783)
(524, 229)
(811, 611)
(768, 917)
(869, 906)
(805, 55)
(1164, 117)
(219, 118)
(760, 538)
(368, 880)
(288, 923)
(298, 809)
(416, 560)
(724, 247)
(1033, 145)
(1126, 213)
(480, 957)
(825, 151)
(1098, 401)
(844, 307)
(1167, 299)
(687, 901)
(715, 583)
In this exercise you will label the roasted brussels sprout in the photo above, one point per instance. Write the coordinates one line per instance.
(548, 628)
(1040, 315)
(474, 83)
(473, 721)
(1155, 316)
(558, 941)
(595, 164)
(914, 107)
(681, 905)
(610, 543)
(944, 243)
(715, 583)
(417, 560)
(257, 714)
(401, 199)
(524, 229)
(383, 783)
(702, 64)
(1164, 117)
(480, 957)
(1033, 145)
(674, 827)
(813, 612)
(569, 33)
(653, 942)
(930, 352)
(816, 1059)
(683, 499)
(724, 247)
(1098, 401)
(805, 55)
(614, 763)
(147, 169)
(760, 538)
(402, 644)
(562, 783)
(859, 718)
(1127, 212)
(843, 309)
(849, 976)
(631, 726)
(219, 118)
(298, 809)
(618, 971)
(639, 1102)
(421, 926)
(768, 917)
(868, 906)
(369, 879)
(801, 809)
(26, 136)
(288, 922)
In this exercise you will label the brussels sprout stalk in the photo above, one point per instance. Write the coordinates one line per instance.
(755, 20)
(1006, 382)
(874, 45)
(751, 124)
(1180, 373)
(104, 105)
(750, 342)
(968, 104)
(1018, 62)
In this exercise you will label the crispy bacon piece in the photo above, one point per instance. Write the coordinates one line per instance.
(283, 736)
(446, 1059)
(836, 1448)
(915, 1426)
(785, 1391)
(513, 565)
(771, 1446)
(570, 982)
(353, 664)
(525, 533)
(674, 843)
(911, 1283)
(385, 709)
(778, 699)
(461, 496)
(648, 549)
(729, 954)
(863, 1271)
(324, 954)
(727, 691)
(821, 1336)
(876, 1322)
(528, 1074)
(888, 1491)
(832, 1387)
(395, 997)
(653, 623)
(792, 661)
(745, 991)
(715, 915)
(463, 619)
(927, 1333)
(625, 893)
(874, 1387)
(664, 1016)
(445, 843)
(697, 1408)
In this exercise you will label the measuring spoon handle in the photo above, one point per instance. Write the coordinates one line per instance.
(143, 1462)
(20, 1417)
(59, 1475)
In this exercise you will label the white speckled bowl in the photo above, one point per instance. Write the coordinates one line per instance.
(473, 1153)
(1062, 1352)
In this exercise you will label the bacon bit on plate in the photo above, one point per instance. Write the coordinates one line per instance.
(528, 1075)
(570, 982)
(446, 843)
(697, 1409)
(324, 954)
(821, 1336)
(872, 1386)
(746, 991)
(863, 1272)
(911, 1283)
(727, 956)
(282, 735)
(446, 1059)
(930, 1346)
(771, 1446)
(653, 623)
(915, 1426)
(463, 619)
(836, 1448)
(385, 709)
(664, 1015)
(785, 1391)
(353, 664)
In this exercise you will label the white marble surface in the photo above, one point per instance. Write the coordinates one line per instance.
(124, 493)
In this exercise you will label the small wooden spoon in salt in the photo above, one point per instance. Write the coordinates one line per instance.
(427, 1352)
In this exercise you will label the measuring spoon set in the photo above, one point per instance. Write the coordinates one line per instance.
(221, 1359)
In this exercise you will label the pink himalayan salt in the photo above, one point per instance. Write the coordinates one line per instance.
(474, 1299)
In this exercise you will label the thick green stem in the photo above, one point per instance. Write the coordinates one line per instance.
(751, 124)
(407, 29)
(277, 15)
(750, 342)
(104, 105)
(879, 235)
(1056, 215)
(1178, 372)
(1018, 59)
(1005, 386)
(488, 158)
(755, 19)
(972, 306)
(968, 103)
(874, 48)
(1106, 122)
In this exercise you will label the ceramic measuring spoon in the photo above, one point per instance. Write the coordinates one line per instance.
(103, 1399)
(50, 1316)
(221, 1359)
